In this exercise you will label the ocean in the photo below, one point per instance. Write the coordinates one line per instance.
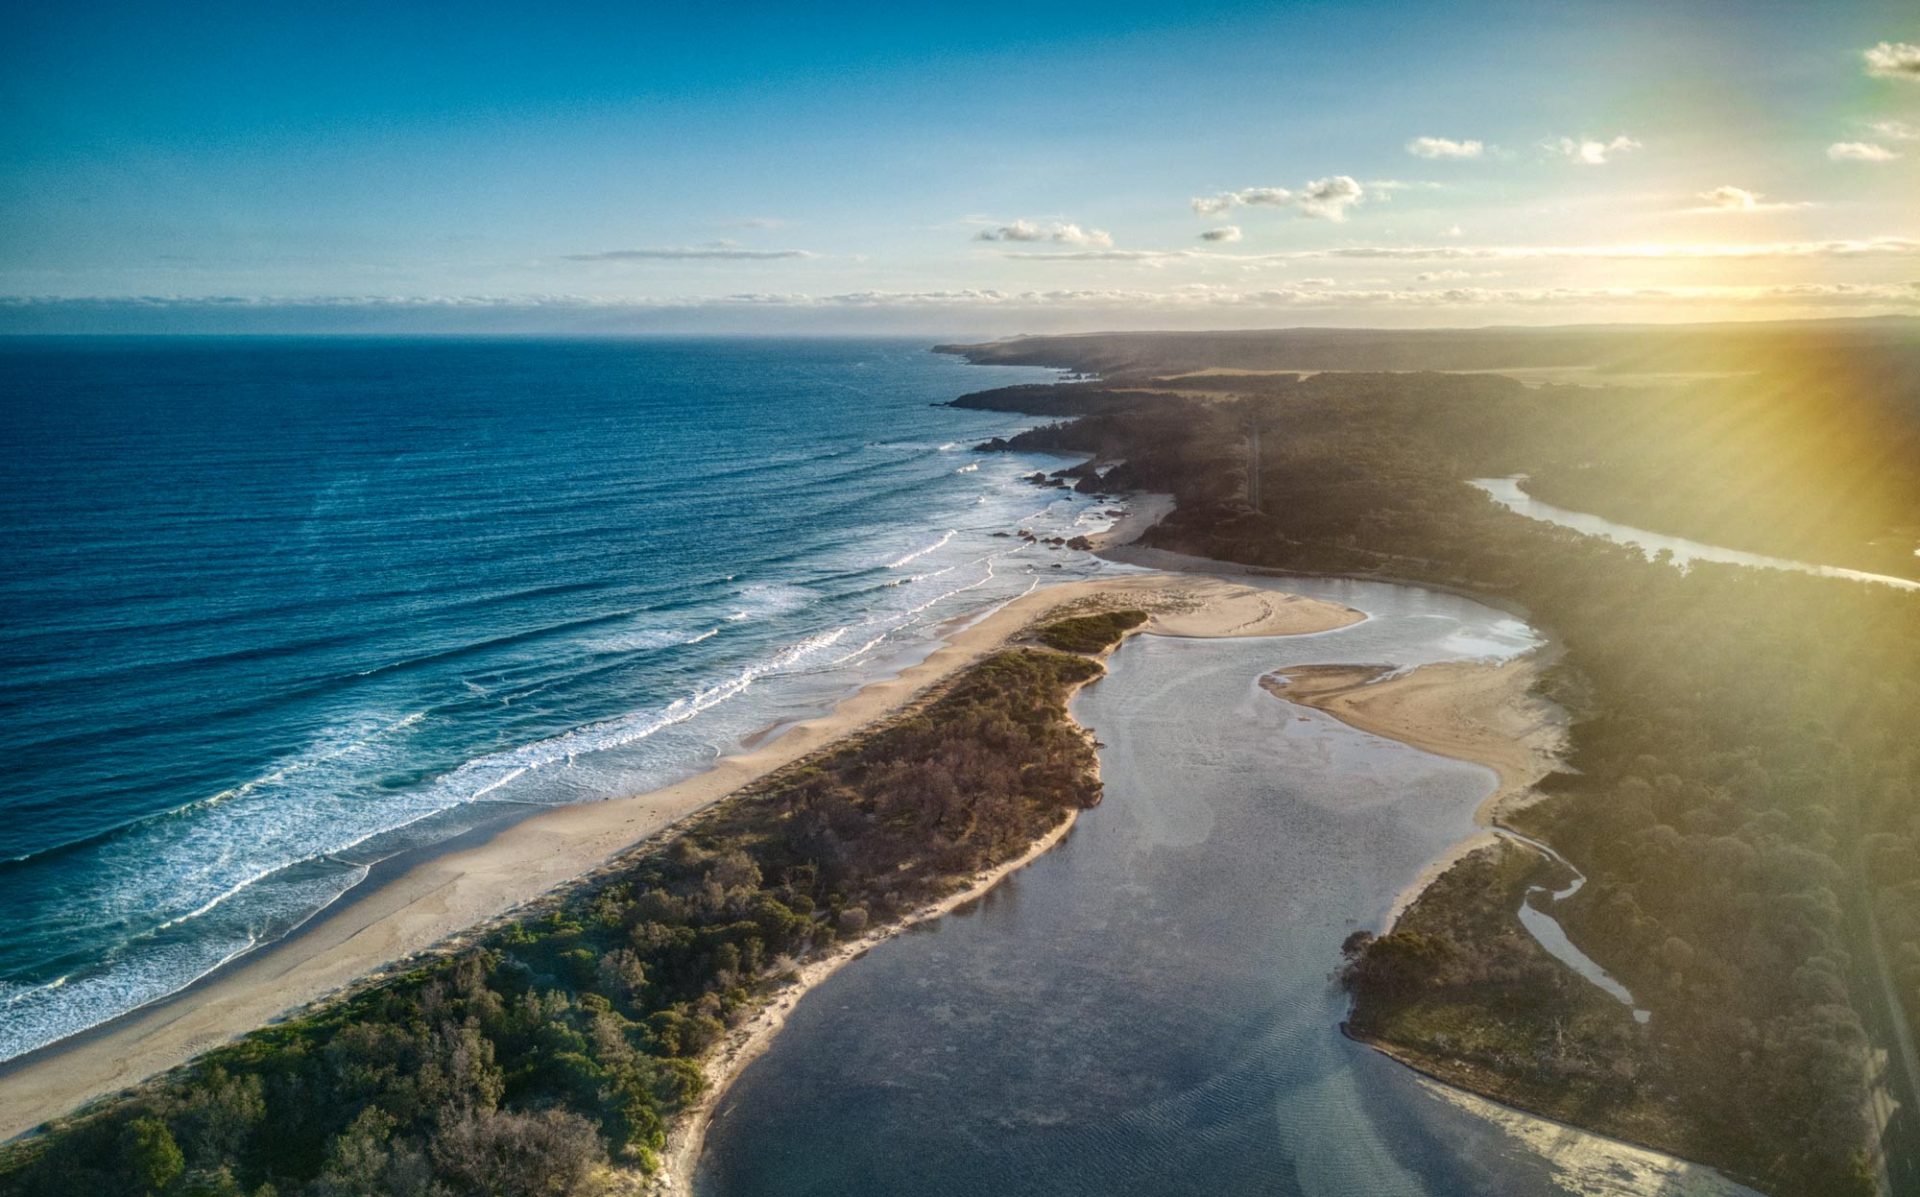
(274, 610)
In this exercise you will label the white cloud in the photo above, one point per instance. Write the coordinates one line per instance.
(1318, 293)
(1896, 130)
(724, 250)
(1893, 60)
(1739, 199)
(1859, 151)
(1064, 234)
(1328, 199)
(1588, 152)
(1734, 199)
(1226, 232)
(1308, 293)
(1322, 199)
(1875, 247)
(1444, 147)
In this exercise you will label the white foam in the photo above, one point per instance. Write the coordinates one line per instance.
(919, 553)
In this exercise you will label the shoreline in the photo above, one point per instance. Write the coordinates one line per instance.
(1558, 1139)
(1233, 611)
(1478, 712)
(743, 1045)
(461, 888)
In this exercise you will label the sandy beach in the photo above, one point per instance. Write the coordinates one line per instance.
(1480, 712)
(450, 893)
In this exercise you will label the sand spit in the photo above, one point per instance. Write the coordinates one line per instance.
(436, 900)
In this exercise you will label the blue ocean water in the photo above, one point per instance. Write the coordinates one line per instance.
(272, 610)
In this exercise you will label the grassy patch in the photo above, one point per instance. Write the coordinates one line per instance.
(1095, 633)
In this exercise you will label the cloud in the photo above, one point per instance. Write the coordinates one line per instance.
(1308, 293)
(1444, 147)
(1322, 199)
(1328, 199)
(1874, 247)
(1731, 199)
(1896, 130)
(1588, 152)
(1859, 151)
(1220, 205)
(1739, 199)
(715, 250)
(1893, 60)
(1226, 232)
(1065, 234)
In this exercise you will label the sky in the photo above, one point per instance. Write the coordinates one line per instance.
(943, 168)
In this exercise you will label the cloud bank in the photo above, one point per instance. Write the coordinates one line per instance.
(1873, 247)
(1307, 294)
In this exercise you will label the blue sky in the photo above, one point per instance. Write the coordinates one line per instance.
(948, 167)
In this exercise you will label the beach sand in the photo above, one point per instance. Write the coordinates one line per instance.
(437, 899)
(1484, 713)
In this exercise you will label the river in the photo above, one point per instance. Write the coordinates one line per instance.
(1147, 1009)
(1508, 493)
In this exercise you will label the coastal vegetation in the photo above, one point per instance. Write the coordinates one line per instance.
(1744, 779)
(554, 1051)
(1094, 633)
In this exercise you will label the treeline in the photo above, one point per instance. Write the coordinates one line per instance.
(567, 1040)
(1889, 348)
(1746, 769)
(1816, 465)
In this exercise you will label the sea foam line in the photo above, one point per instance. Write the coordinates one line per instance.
(919, 553)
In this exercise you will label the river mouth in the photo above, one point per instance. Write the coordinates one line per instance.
(1148, 1008)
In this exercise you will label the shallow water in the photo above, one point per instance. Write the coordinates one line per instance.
(1507, 492)
(1147, 1010)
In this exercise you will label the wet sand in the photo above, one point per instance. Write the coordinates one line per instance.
(1479, 712)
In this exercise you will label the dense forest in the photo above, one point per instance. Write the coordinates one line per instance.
(1890, 347)
(1745, 777)
(565, 1040)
